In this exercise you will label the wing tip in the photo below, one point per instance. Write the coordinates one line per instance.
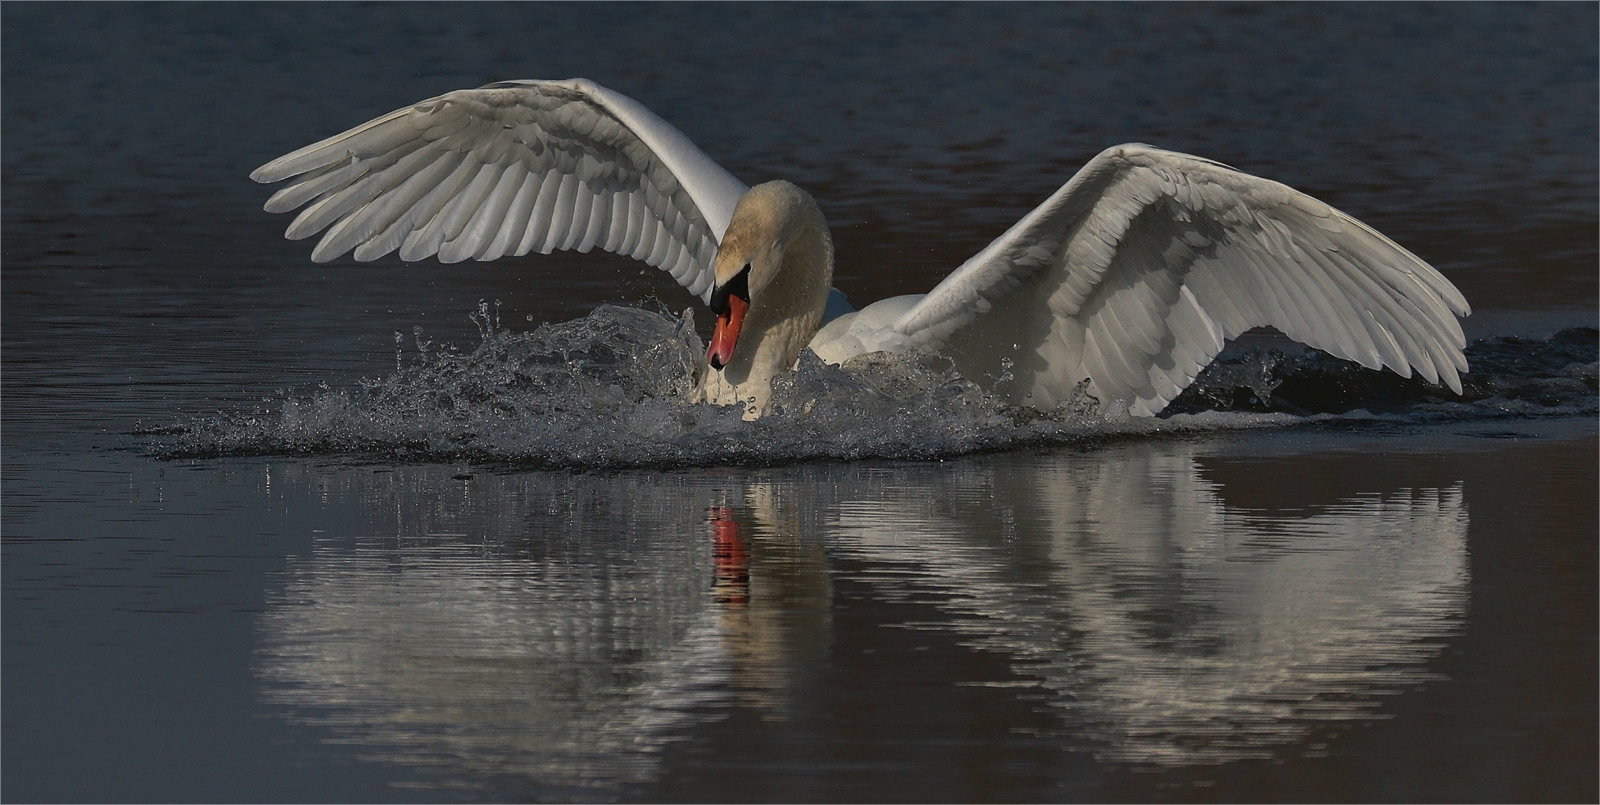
(279, 169)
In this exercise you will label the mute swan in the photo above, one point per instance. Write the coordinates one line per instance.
(1129, 278)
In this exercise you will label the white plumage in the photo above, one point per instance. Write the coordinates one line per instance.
(1137, 270)
(511, 168)
(1132, 275)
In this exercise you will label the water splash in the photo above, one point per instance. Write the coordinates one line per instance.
(1510, 376)
(613, 389)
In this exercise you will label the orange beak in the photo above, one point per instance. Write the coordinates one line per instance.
(726, 336)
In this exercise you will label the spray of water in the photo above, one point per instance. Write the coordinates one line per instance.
(613, 389)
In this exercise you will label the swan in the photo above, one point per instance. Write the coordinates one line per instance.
(1125, 283)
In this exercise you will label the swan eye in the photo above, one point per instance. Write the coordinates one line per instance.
(738, 286)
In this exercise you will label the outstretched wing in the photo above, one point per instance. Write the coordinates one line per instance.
(511, 168)
(1134, 273)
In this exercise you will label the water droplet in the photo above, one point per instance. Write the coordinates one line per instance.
(483, 321)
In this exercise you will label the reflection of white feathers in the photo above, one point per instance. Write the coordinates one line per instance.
(568, 663)
(1176, 629)
(569, 657)
(559, 629)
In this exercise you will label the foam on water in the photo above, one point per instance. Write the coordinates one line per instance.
(613, 389)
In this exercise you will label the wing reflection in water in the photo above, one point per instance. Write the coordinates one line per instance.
(558, 631)
(1174, 628)
(547, 628)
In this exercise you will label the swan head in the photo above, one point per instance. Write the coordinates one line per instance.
(775, 263)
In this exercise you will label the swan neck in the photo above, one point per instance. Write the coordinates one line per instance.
(785, 310)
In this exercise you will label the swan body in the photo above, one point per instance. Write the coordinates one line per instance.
(1129, 279)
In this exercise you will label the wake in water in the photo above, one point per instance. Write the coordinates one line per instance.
(612, 389)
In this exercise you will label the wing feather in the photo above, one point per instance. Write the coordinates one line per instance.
(679, 261)
(581, 205)
(543, 210)
(599, 221)
(378, 136)
(385, 222)
(491, 225)
(509, 168)
(1136, 272)
(455, 216)
(635, 230)
(1355, 302)
(409, 228)
(331, 178)
(484, 223)
(332, 205)
(516, 217)
(1387, 310)
(658, 249)
(617, 232)
(561, 213)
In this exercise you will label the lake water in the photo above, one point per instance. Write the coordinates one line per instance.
(242, 562)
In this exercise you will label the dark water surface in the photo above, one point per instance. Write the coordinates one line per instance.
(1391, 608)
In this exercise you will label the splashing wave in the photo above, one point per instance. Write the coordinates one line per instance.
(612, 390)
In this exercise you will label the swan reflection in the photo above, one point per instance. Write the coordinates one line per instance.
(1172, 627)
(563, 630)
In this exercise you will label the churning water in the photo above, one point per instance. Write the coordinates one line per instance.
(612, 389)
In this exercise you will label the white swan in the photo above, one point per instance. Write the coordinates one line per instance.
(1130, 277)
